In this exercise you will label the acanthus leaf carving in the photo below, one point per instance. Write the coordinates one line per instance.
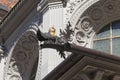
(67, 33)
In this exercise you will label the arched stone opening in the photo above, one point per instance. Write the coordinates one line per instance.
(90, 17)
(24, 57)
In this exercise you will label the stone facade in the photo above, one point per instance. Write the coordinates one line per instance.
(22, 53)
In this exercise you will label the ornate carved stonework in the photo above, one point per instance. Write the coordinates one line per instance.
(23, 58)
(67, 34)
(86, 18)
(110, 6)
(94, 73)
(93, 69)
(79, 37)
(83, 31)
(96, 13)
(89, 16)
(71, 6)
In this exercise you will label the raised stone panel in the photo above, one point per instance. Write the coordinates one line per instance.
(86, 18)
(23, 58)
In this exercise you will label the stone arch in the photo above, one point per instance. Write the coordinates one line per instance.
(91, 16)
(24, 57)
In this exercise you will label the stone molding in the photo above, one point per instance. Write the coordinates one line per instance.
(7, 25)
(71, 6)
(92, 69)
(89, 17)
(23, 57)
(23, 52)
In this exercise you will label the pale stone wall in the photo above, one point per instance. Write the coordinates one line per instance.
(78, 12)
(52, 17)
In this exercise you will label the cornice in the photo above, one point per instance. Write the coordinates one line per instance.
(47, 3)
(81, 59)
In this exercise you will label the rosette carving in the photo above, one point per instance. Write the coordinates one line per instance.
(83, 31)
(109, 6)
(96, 13)
(86, 24)
(91, 16)
(79, 37)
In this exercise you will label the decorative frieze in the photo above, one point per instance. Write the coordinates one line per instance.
(71, 6)
(89, 17)
(83, 31)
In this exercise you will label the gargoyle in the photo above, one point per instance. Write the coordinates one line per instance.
(50, 37)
